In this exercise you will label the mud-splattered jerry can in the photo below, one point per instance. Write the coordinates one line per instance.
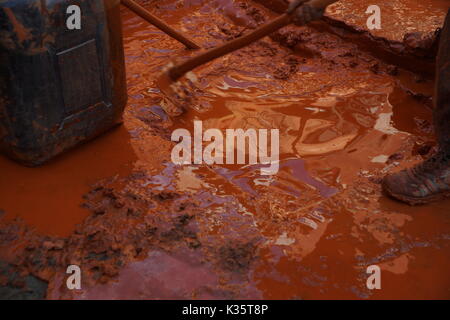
(59, 85)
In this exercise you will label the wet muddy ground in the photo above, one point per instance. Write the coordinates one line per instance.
(141, 227)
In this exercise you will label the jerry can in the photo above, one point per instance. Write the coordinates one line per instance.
(59, 85)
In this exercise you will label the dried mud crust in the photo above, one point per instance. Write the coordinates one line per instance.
(403, 40)
(408, 27)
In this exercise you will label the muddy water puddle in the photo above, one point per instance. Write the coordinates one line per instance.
(49, 197)
(309, 231)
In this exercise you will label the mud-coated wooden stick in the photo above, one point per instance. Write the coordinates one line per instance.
(178, 71)
(143, 13)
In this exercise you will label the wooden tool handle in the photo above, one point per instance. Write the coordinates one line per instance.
(143, 13)
(178, 71)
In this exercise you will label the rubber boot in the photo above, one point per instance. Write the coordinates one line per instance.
(430, 180)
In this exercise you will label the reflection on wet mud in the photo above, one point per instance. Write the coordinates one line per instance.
(310, 231)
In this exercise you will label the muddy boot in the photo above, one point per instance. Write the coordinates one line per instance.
(430, 180)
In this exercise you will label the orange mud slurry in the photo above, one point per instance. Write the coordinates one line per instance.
(224, 231)
(49, 197)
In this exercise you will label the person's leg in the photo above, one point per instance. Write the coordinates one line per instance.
(430, 180)
(442, 106)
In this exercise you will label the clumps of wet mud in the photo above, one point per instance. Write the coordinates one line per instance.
(422, 44)
(136, 220)
(414, 45)
(307, 43)
(125, 224)
(101, 245)
(256, 15)
(282, 65)
(228, 31)
(28, 251)
(416, 51)
(15, 285)
(289, 67)
(129, 221)
(237, 256)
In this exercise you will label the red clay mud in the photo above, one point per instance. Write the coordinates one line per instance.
(400, 18)
(49, 197)
(409, 30)
(408, 35)
(158, 230)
